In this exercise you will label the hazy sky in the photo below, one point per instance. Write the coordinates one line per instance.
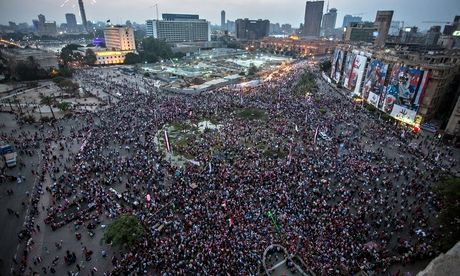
(413, 12)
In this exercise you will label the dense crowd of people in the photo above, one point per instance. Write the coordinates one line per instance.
(357, 197)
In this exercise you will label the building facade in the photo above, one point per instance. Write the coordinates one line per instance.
(222, 21)
(313, 17)
(347, 19)
(179, 28)
(329, 20)
(360, 32)
(300, 47)
(119, 38)
(247, 29)
(411, 86)
(71, 21)
(383, 23)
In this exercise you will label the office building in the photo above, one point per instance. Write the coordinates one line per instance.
(382, 22)
(231, 26)
(247, 29)
(313, 17)
(329, 20)
(83, 15)
(179, 17)
(360, 32)
(222, 21)
(347, 19)
(433, 35)
(177, 28)
(41, 19)
(286, 28)
(395, 27)
(71, 21)
(119, 38)
(46, 28)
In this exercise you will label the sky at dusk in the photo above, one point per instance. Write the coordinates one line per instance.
(413, 12)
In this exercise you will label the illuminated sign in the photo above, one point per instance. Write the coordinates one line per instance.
(456, 33)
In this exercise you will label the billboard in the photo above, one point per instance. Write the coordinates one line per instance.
(404, 93)
(374, 82)
(355, 73)
(335, 57)
(337, 65)
(348, 68)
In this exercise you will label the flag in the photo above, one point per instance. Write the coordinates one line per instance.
(296, 128)
(210, 167)
(108, 21)
(166, 141)
(290, 152)
(316, 134)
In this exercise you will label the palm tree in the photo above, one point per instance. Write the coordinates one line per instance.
(64, 106)
(48, 100)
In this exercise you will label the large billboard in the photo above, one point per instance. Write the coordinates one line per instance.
(374, 82)
(337, 64)
(355, 73)
(348, 68)
(404, 93)
(334, 62)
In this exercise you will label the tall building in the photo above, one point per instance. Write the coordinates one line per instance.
(329, 20)
(313, 16)
(83, 15)
(396, 27)
(382, 22)
(347, 19)
(46, 28)
(432, 36)
(360, 32)
(41, 19)
(176, 28)
(247, 29)
(71, 22)
(231, 26)
(222, 20)
(119, 38)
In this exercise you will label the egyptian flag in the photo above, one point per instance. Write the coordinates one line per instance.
(316, 134)
(166, 141)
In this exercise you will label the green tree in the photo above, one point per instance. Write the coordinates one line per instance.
(65, 71)
(125, 231)
(64, 106)
(90, 57)
(67, 54)
(252, 70)
(132, 58)
(448, 191)
(49, 101)
(325, 66)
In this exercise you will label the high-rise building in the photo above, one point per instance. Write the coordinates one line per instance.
(313, 16)
(231, 26)
(119, 38)
(71, 22)
(83, 15)
(46, 28)
(347, 19)
(432, 36)
(286, 28)
(329, 20)
(396, 27)
(360, 32)
(41, 19)
(382, 22)
(222, 20)
(179, 28)
(247, 29)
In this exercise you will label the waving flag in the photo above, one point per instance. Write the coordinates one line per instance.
(166, 141)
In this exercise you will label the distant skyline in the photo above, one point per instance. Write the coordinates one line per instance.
(412, 12)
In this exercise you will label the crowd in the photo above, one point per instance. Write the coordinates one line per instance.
(361, 200)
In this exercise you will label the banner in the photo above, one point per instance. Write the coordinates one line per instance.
(355, 73)
(404, 93)
(374, 82)
(337, 64)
